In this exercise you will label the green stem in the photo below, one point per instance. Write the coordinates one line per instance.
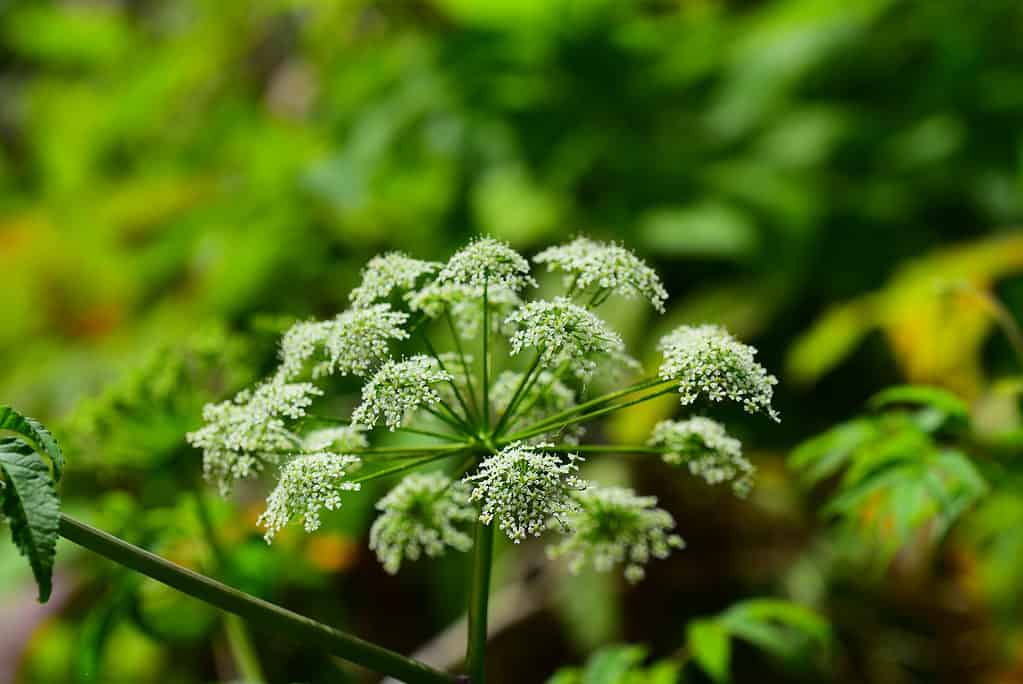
(408, 465)
(596, 401)
(476, 648)
(541, 428)
(454, 385)
(486, 357)
(606, 449)
(473, 399)
(430, 433)
(258, 612)
(519, 393)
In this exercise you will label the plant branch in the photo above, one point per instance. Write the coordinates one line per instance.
(479, 596)
(519, 393)
(606, 449)
(486, 356)
(542, 427)
(408, 465)
(473, 399)
(260, 613)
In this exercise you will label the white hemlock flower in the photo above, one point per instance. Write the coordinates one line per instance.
(709, 362)
(487, 262)
(307, 485)
(522, 487)
(397, 389)
(352, 344)
(562, 332)
(612, 526)
(710, 452)
(340, 439)
(244, 433)
(604, 268)
(424, 514)
(387, 273)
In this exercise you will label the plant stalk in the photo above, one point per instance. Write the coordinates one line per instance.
(476, 648)
(260, 613)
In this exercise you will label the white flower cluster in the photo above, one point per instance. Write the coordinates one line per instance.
(353, 343)
(398, 388)
(307, 485)
(424, 514)
(389, 272)
(605, 268)
(341, 439)
(710, 451)
(523, 487)
(708, 361)
(244, 433)
(611, 526)
(562, 332)
(487, 262)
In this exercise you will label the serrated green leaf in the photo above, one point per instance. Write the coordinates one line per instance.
(33, 431)
(709, 643)
(30, 504)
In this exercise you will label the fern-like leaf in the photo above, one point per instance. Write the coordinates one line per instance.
(29, 503)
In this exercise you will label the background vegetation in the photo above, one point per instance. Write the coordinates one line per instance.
(836, 182)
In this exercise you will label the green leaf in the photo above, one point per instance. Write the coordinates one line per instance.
(610, 665)
(34, 432)
(947, 406)
(31, 507)
(709, 643)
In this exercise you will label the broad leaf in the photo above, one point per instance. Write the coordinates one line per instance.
(33, 431)
(709, 643)
(938, 407)
(30, 504)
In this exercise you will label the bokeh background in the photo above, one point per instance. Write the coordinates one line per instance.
(180, 179)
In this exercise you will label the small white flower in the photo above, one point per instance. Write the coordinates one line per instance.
(424, 514)
(604, 268)
(341, 439)
(709, 362)
(389, 272)
(523, 487)
(464, 303)
(353, 343)
(487, 262)
(242, 434)
(611, 526)
(398, 388)
(307, 485)
(710, 451)
(562, 332)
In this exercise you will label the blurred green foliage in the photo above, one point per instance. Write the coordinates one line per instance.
(180, 178)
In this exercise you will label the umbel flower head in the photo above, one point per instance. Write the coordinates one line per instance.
(307, 485)
(388, 273)
(604, 268)
(487, 262)
(610, 526)
(424, 514)
(708, 449)
(352, 344)
(243, 434)
(523, 487)
(397, 389)
(514, 421)
(560, 331)
(707, 361)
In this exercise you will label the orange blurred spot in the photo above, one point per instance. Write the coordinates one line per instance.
(331, 552)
